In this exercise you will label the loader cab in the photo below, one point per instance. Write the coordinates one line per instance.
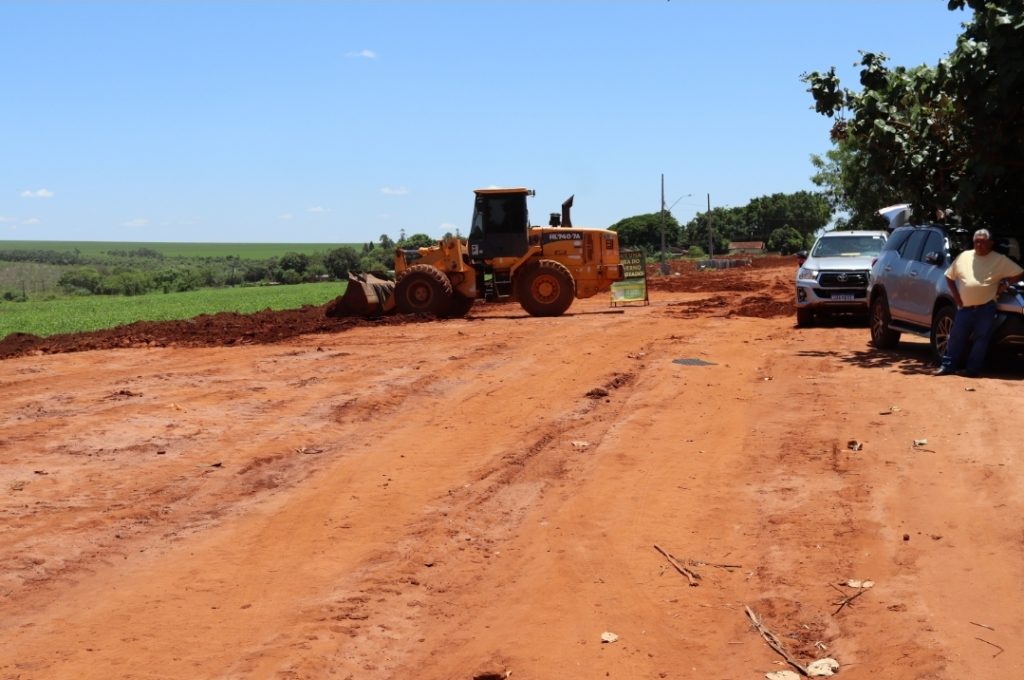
(501, 224)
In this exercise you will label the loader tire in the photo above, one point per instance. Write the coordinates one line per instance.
(423, 289)
(460, 306)
(545, 288)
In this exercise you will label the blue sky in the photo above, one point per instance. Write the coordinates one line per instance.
(336, 122)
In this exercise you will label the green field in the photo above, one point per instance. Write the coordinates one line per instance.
(73, 314)
(245, 251)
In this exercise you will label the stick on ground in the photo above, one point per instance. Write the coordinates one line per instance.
(702, 563)
(773, 641)
(1001, 650)
(847, 599)
(690, 575)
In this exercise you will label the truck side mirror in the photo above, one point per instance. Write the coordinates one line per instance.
(801, 257)
(934, 258)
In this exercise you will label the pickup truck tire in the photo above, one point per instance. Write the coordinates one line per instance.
(804, 317)
(942, 324)
(882, 336)
(423, 289)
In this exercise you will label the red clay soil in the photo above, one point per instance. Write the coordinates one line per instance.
(268, 326)
(603, 494)
(208, 330)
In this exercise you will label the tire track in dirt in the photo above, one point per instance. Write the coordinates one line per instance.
(208, 486)
(360, 439)
(409, 501)
(388, 610)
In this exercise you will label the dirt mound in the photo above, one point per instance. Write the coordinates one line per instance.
(763, 307)
(758, 306)
(762, 273)
(206, 330)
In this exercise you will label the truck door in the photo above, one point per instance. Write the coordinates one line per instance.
(922, 278)
(896, 277)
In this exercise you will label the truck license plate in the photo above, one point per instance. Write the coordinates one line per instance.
(842, 296)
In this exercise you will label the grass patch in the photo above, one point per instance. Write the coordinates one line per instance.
(94, 312)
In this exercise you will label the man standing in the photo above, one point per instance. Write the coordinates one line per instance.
(975, 279)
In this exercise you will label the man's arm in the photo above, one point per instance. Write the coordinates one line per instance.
(955, 292)
(1010, 280)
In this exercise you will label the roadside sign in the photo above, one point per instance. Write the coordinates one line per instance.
(633, 288)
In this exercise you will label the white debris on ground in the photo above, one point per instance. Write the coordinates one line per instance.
(822, 668)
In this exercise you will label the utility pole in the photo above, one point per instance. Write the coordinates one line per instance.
(711, 240)
(664, 264)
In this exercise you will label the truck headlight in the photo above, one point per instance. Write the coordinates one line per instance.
(807, 274)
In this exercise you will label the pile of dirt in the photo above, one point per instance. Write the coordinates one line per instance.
(205, 330)
(763, 307)
(686, 276)
(758, 306)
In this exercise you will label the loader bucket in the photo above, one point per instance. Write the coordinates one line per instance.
(365, 295)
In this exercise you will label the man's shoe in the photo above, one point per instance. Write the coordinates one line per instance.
(945, 370)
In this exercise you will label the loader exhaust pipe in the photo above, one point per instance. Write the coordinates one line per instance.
(566, 207)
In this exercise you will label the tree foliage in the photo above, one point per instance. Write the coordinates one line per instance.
(416, 241)
(938, 137)
(804, 211)
(853, 192)
(340, 261)
(785, 240)
(723, 222)
(644, 231)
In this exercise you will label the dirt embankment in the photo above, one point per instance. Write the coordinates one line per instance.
(494, 496)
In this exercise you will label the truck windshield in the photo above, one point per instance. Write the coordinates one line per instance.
(848, 246)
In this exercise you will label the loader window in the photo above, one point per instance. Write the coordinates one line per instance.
(500, 226)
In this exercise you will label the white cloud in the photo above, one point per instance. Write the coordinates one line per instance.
(317, 209)
(362, 54)
(284, 217)
(32, 220)
(136, 223)
(38, 193)
(394, 191)
(5, 219)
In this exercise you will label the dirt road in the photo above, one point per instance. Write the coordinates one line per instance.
(473, 498)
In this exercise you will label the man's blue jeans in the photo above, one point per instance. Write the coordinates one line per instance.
(971, 322)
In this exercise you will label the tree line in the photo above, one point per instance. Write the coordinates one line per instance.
(785, 223)
(144, 270)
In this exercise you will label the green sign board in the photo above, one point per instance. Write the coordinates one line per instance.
(633, 263)
(633, 287)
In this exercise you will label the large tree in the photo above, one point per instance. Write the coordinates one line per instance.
(723, 222)
(853, 192)
(645, 231)
(804, 211)
(943, 136)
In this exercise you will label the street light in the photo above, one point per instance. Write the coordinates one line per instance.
(664, 264)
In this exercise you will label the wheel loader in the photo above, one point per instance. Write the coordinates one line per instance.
(504, 258)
